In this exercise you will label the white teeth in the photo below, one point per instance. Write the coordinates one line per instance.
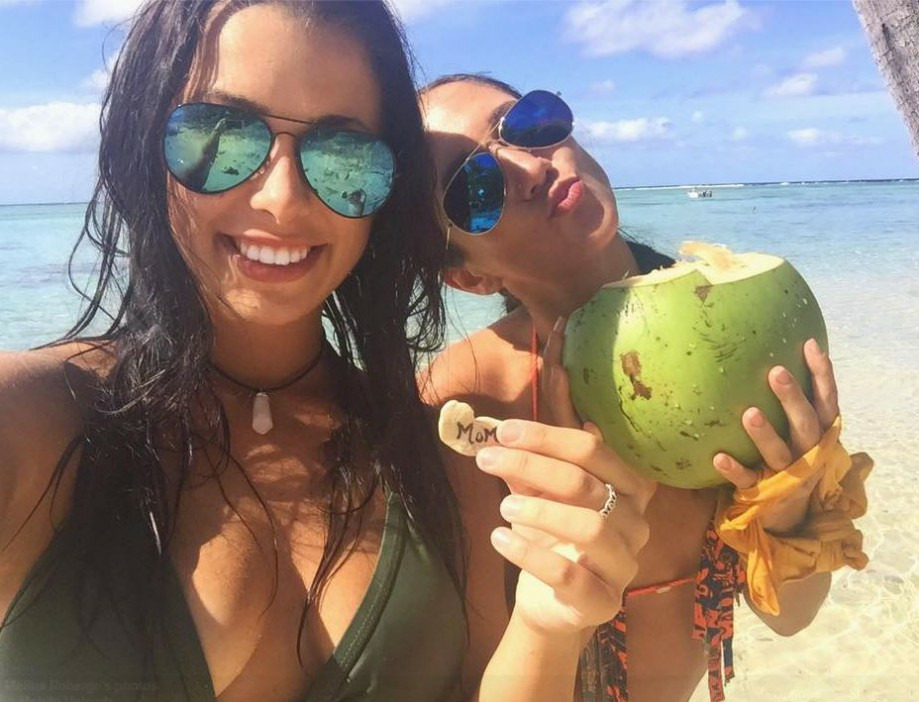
(250, 252)
(273, 256)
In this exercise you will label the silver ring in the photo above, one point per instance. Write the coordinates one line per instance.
(611, 498)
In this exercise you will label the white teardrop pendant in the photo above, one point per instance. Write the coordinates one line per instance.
(262, 422)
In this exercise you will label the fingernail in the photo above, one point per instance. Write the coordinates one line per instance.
(501, 538)
(487, 457)
(757, 419)
(815, 345)
(783, 377)
(721, 462)
(509, 431)
(511, 506)
(559, 324)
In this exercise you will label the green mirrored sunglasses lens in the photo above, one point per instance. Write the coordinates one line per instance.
(212, 148)
(351, 172)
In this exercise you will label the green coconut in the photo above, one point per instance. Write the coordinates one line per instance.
(665, 364)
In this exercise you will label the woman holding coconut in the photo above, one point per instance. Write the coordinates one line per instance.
(532, 216)
(208, 500)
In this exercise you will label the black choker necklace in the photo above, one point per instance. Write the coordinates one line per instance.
(262, 421)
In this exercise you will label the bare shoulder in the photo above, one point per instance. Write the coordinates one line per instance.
(40, 389)
(40, 397)
(490, 369)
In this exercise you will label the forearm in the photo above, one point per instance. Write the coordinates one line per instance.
(529, 666)
(799, 602)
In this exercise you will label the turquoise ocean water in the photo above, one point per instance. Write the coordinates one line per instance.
(856, 243)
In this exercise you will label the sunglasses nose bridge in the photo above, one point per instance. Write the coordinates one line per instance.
(281, 187)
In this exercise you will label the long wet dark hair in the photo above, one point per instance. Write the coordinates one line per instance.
(157, 395)
(646, 256)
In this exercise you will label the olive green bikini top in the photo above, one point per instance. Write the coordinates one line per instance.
(405, 643)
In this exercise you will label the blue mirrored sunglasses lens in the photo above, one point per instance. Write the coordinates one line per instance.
(351, 172)
(475, 198)
(212, 148)
(538, 119)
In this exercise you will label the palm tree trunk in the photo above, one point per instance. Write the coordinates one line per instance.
(892, 27)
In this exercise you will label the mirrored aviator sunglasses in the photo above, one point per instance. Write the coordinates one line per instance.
(212, 148)
(474, 197)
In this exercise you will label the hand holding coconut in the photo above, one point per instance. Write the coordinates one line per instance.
(807, 423)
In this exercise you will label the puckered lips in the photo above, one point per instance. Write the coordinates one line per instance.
(565, 196)
(270, 259)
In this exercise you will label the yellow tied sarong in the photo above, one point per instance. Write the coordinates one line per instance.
(826, 541)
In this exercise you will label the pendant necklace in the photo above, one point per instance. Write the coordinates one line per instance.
(262, 421)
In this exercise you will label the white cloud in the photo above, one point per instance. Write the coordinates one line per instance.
(627, 130)
(92, 12)
(739, 134)
(822, 59)
(809, 137)
(98, 80)
(411, 10)
(603, 87)
(668, 29)
(798, 85)
(55, 126)
(698, 117)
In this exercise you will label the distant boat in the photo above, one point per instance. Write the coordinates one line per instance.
(695, 193)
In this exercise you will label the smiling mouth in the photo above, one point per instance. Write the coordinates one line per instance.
(279, 256)
(274, 256)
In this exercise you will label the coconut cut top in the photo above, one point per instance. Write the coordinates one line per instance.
(716, 263)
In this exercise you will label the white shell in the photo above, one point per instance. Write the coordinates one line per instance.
(262, 422)
(462, 431)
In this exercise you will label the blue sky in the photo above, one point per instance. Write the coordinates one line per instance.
(664, 91)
